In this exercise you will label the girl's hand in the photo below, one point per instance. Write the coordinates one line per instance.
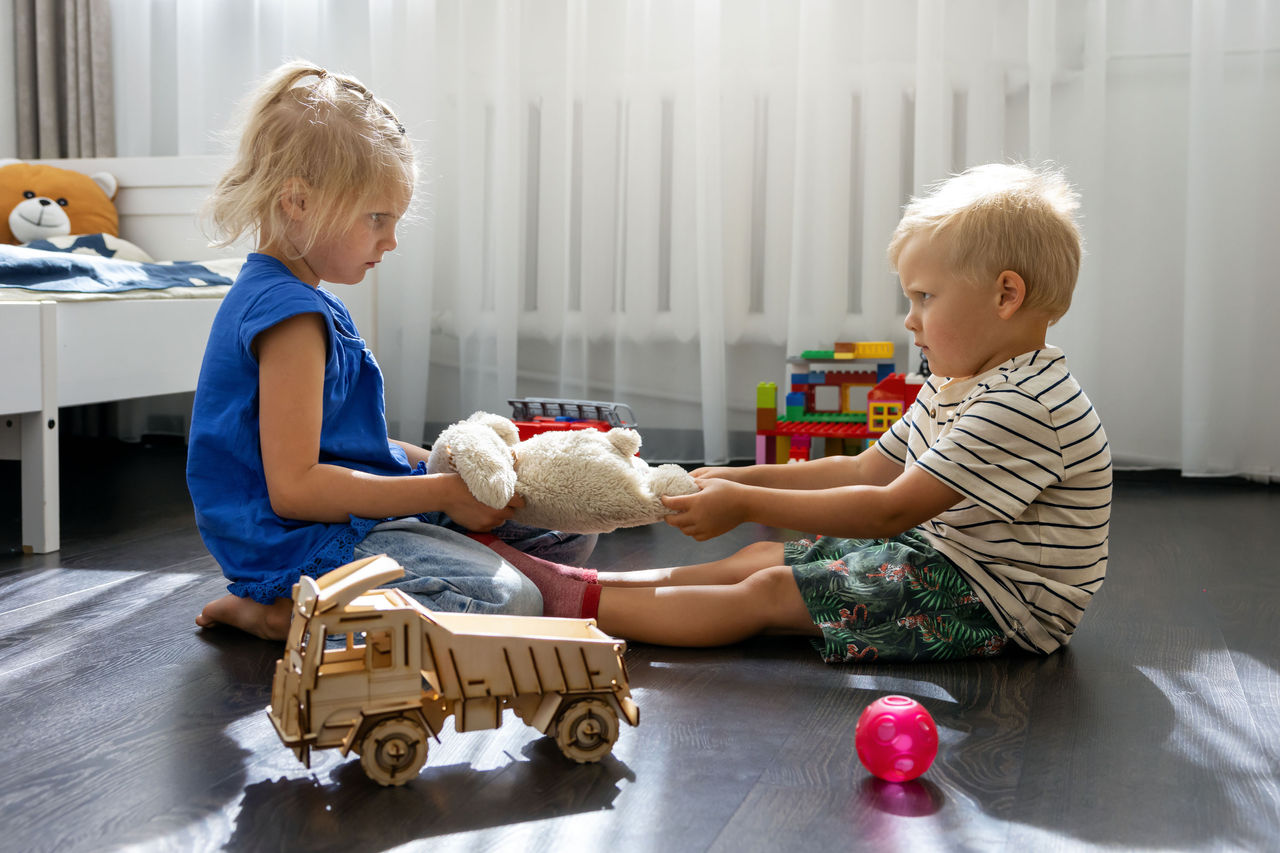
(718, 507)
(460, 505)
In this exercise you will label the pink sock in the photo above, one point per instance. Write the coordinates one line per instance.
(567, 591)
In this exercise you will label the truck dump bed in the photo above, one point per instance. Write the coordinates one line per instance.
(513, 655)
(524, 626)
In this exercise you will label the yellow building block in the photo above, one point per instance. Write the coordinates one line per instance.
(873, 349)
(767, 395)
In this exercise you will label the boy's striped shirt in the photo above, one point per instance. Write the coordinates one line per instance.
(1024, 447)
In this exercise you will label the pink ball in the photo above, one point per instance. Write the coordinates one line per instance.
(896, 738)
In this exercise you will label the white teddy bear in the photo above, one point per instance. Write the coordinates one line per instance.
(578, 481)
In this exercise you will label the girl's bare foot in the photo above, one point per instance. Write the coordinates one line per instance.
(268, 621)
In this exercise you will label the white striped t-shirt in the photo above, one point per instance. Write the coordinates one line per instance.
(1025, 448)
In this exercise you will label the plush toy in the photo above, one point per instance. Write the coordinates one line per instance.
(39, 201)
(578, 481)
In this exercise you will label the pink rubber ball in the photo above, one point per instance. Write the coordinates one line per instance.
(896, 738)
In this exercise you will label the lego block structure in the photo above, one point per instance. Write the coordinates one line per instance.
(830, 397)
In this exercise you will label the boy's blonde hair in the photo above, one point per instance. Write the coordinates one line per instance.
(328, 131)
(1003, 217)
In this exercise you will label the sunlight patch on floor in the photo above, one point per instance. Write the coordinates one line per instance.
(915, 688)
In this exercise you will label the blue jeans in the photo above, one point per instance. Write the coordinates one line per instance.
(446, 570)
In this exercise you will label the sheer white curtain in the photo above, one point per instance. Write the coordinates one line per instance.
(655, 201)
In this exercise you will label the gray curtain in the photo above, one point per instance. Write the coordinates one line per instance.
(62, 54)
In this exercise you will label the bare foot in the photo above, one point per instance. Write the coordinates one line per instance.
(268, 621)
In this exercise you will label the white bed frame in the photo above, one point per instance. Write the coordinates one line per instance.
(70, 353)
(65, 353)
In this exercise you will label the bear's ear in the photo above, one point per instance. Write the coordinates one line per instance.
(485, 465)
(627, 441)
(108, 182)
(504, 427)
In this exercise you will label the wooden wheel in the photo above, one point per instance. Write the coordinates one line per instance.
(393, 751)
(587, 730)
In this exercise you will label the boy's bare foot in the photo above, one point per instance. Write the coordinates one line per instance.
(268, 621)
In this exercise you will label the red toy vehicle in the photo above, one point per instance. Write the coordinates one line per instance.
(534, 415)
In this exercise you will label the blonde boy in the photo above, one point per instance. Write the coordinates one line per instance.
(981, 516)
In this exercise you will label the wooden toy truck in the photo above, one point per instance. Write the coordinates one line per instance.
(372, 671)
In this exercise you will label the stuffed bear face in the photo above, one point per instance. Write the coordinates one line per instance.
(39, 201)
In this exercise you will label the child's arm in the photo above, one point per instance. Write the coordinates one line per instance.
(867, 509)
(415, 453)
(870, 468)
(291, 358)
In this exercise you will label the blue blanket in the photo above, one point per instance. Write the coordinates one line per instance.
(79, 272)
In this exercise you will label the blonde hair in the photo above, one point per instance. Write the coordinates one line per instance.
(1003, 217)
(326, 130)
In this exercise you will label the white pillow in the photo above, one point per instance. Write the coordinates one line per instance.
(99, 245)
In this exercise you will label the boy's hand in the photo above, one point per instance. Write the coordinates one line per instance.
(716, 473)
(716, 508)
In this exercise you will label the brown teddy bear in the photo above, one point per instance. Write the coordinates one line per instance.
(39, 201)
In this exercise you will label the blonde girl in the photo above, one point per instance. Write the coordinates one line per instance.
(290, 467)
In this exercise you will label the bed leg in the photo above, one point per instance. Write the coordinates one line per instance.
(40, 498)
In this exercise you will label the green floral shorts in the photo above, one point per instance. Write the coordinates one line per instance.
(893, 599)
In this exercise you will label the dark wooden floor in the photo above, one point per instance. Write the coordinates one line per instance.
(1157, 729)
